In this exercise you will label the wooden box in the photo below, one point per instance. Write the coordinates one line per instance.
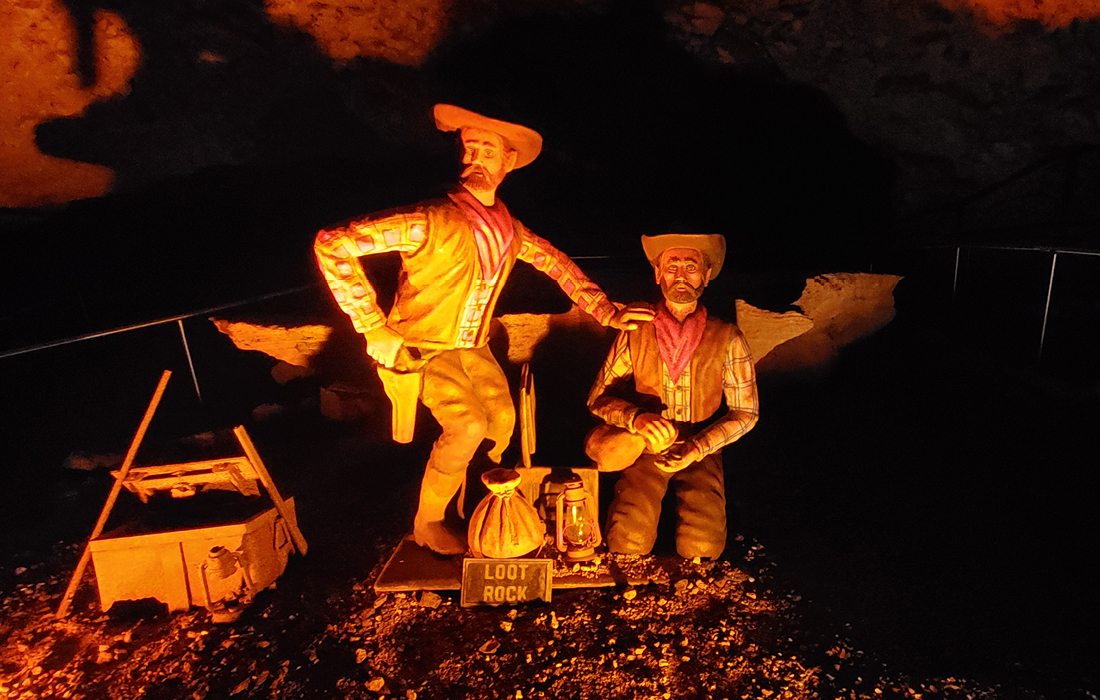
(161, 556)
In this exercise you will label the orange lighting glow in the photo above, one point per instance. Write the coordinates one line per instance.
(400, 31)
(1052, 14)
(38, 50)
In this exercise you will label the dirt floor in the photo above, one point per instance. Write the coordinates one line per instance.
(912, 523)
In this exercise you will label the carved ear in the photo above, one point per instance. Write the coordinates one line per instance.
(509, 159)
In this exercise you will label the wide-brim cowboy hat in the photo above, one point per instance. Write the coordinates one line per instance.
(527, 143)
(711, 245)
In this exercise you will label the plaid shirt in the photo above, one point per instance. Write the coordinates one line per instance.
(738, 387)
(336, 250)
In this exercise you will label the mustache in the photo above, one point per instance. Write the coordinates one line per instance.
(472, 170)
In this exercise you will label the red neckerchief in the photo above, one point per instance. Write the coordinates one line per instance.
(676, 341)
(493, 230)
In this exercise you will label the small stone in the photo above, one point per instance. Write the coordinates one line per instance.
(375, 685)
(20, 570)
(410, 695)
(489, 647)
(429, 599)
(506, 625)
(630, 594)
(553, 621)
(240, 687)
(360, 655)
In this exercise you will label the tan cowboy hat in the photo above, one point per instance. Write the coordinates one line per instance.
(711, 245)
(526, 142)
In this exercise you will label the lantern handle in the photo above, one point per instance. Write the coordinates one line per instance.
(559, 512)
(598, 537)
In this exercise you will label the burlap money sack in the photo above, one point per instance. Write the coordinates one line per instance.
(504, 524)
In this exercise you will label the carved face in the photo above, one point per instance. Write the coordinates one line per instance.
(487, 159)
(682, 274)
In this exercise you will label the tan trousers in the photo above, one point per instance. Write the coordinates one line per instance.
(467, 393)
(636, 508)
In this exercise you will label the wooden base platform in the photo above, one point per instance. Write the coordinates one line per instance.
(414, 568)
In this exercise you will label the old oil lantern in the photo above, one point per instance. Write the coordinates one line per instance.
(233, 589)
(577, 528)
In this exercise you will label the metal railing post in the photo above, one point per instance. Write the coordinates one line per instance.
(955, 282)
(1046, 307)
(190, 362)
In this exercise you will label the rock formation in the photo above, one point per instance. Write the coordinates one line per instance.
(836, 310)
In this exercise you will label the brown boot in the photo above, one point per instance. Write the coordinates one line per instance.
(439, 538)
(436, 491)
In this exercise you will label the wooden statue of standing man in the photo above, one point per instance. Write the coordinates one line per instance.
(456, 255)
(660, 394)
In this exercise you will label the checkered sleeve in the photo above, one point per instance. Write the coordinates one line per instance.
(739, 386)
(338, 248)
(610, 409)
(557, 266)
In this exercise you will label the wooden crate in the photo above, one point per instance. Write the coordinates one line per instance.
(131, 564)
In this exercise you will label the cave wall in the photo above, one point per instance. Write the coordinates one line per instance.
(150, 145)
(955, 93)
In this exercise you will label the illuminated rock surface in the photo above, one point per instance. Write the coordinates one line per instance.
(843, 308)
(394, 30)
(295, 345)
(40, 81)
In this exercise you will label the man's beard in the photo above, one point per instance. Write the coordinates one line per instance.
(681, 292)
(477, 179)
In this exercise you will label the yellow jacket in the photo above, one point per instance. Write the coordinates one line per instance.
(440, 269)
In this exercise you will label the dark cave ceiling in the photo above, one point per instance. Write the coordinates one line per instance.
(679, 111)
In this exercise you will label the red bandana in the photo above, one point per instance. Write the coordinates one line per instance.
(676, 341)
(493, 230)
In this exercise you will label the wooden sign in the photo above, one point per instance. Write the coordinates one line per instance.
(506, 581)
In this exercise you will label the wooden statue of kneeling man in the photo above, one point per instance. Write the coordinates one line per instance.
(660, 395)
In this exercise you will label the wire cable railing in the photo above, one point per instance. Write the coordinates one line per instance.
(177, 319)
